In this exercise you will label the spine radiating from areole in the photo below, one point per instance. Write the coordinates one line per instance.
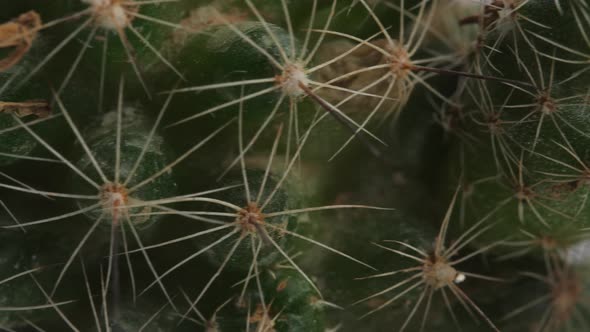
(251, 165)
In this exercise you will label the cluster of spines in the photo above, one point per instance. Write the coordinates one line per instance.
(484, 98)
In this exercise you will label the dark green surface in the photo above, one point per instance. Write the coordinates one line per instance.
(426, 152)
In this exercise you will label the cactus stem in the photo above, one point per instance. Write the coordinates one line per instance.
(113, 199)
(582, 170)
(564, 297)
(436, 270)
(526, 195)
(293, 80)
(111, 15)
(544, 103)
(404, 69)
(251, 222)
(551, 241)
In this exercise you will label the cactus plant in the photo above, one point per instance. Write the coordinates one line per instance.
(282, 165)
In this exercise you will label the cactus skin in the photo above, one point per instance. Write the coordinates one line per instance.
(470, 120)
(101, 139)
(23, 291)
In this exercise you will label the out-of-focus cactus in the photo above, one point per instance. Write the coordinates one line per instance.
(258, 165)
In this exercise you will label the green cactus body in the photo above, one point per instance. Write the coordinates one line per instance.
(102, 142)
(550, 300)
(30, 104)
(290, 305)
(251, 224)
(367, 294)
(17, 288)
(112, 15)
(239, 317)
(133, 317)
(218, 64)
(301, 309)
(518, 210)
(228, 201)
(15, 143)
(119, 37)
(532, 175)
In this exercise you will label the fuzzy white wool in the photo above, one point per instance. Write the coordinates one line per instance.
(109, 15)
(113, 199)
(578, 254)
(459, 278)
(114, 18)
(293, 76)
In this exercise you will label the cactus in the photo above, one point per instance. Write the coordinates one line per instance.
(258, 165)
